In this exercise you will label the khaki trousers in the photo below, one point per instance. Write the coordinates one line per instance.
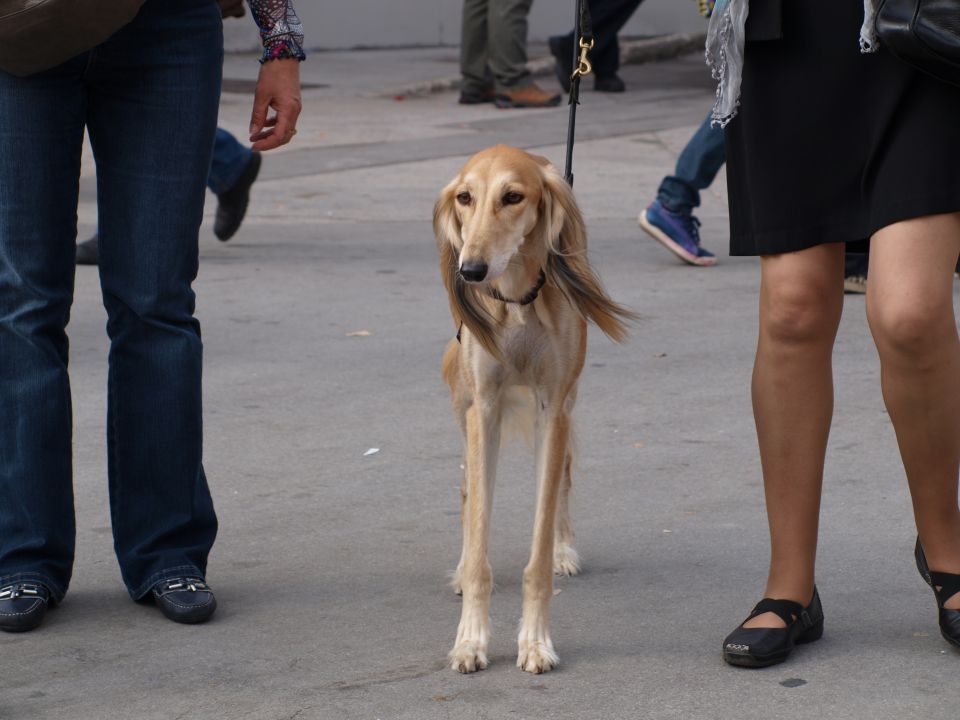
(493, 47)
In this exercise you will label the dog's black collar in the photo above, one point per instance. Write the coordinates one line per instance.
(526, 299)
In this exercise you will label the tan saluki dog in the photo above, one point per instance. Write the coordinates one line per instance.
(513, 257)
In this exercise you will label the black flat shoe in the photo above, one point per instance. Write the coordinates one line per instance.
(477, 97)
(949, 585)
(609, 83)
(185, 600)
(232, 204)
(23, 606)
(761, 647)
(88, 251)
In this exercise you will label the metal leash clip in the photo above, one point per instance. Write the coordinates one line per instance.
(584, 67)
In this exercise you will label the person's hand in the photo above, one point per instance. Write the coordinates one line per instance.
(278, 88)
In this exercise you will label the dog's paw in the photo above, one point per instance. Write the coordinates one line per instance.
(468, 657)
(565, 560)
(537, 656)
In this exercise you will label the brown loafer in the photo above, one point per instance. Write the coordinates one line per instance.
(528, 96)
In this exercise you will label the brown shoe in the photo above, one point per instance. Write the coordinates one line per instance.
(528, 96)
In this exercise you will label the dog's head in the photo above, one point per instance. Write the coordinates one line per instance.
(487, 212)
(507, 206)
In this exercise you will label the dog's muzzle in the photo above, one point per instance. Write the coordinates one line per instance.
(474, 271)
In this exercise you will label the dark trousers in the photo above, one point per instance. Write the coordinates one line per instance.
(608, 17)
(148, 98)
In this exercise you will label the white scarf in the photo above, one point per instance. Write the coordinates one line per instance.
(725, 38)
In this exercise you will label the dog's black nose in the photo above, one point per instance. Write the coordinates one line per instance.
(474, 271)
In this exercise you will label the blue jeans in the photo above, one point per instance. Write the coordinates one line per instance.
(148, 97)
(230, 158)
(697, 166)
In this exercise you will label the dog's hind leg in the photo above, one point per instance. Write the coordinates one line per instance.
(461, 402)
(455, 581)
(469, 652)
(535, 647)
(566, 561)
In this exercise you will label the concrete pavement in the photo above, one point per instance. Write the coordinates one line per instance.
(331, 565)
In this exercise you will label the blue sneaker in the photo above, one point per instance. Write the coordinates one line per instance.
(678, 232)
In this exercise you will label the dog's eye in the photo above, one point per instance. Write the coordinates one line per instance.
(463, 198)
(512, 198)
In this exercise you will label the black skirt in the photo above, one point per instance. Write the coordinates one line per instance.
(831, 145)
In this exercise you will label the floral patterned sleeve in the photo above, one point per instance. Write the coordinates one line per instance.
(280, 29)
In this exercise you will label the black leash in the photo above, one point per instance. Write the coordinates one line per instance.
(583, 43)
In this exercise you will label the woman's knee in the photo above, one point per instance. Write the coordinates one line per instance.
(795, 312)
(913, 327)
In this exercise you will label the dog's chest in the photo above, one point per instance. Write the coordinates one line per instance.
(524, 343)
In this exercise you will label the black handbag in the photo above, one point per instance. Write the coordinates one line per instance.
(36, 35)
(923, 33)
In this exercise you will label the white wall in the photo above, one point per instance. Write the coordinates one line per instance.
(382, 23)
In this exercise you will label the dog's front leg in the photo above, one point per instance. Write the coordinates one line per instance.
(536, 652)
(476, 578)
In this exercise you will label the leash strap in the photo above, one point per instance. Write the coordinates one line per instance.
(583, 35)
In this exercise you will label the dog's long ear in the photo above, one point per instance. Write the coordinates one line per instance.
(567, 265)
(464, 306)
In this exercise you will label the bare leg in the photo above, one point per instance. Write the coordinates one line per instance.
(801, 299)
(910, 309)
